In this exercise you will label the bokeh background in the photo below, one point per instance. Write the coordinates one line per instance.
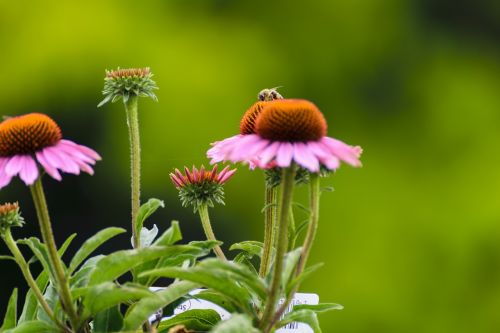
(411, 241)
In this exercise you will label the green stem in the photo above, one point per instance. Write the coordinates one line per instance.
(23, 265)
(48, 238)
(269, 226)
(314, 194)
(287, 183)
(135, 162)
(207, 227)
(291, 231)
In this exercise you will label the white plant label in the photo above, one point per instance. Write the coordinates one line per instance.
(295, 327)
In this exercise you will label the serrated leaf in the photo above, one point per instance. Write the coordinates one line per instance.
(118, 263)
(108, 294)
(108, 321)
(147, 306)
(319, 308)
(238, 323)
(145, 211)
(91, 245)
(305, 316)
(33, 326)
(10, 318)
(194, 320)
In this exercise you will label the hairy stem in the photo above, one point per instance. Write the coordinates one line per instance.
(314, 194)
(269, 226)
(135, 162)
(48, 238)
(291, 230)
(23, 265)
(207, 227)
(285, 203)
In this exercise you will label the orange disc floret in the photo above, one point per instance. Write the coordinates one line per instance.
(27, 134)
(293, 120)
(247, 124)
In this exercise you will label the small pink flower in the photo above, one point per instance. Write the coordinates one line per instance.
(199, 177)
(31, 138)
(286, 131)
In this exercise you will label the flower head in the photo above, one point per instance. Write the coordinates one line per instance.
(35, 137)
(200, 187)
(287, 131)
(10, 216)
(124, 83)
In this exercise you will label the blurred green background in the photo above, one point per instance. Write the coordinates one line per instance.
(411, 241)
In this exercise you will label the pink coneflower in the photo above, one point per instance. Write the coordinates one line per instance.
(31, 138)
(286, 131)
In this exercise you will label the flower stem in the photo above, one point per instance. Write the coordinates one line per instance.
(283, 218)
(48, 238)
(314, 194)
(135, 162)
(23, 265)
(291, 230)
(207, 227)
(269, 226)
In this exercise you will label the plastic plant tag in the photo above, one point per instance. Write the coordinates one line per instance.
(295, 327)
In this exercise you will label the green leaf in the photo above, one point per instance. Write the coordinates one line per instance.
(30, 307)
(148, 235)
(81, 277)
(7, 258)
(305, 316)
(291, 260)
(170, 236)
(52, 298)
(243, 259)
(40, 251)
(305, 274)
(195, 320)
(61, 250)
(237, 272)
(107, 321)
(145, 211)
(10, 318)
(238, 323)
(251, 247)
(218, 299)
(144, 308)
(116, 264)
(318, 308)
(33, 326)
(108, 294)
(221, 281)
(92, 244)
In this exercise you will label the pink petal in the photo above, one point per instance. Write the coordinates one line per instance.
(14, 165)
(304, 157)
(226, 177)
(268, 154)
(343, 151)
(222, 173)
(239, 149)
(58, 158)
(50, 169)
(284, 154)
(332, 162)
(4, 178)
(29, 171)
(86, 150)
